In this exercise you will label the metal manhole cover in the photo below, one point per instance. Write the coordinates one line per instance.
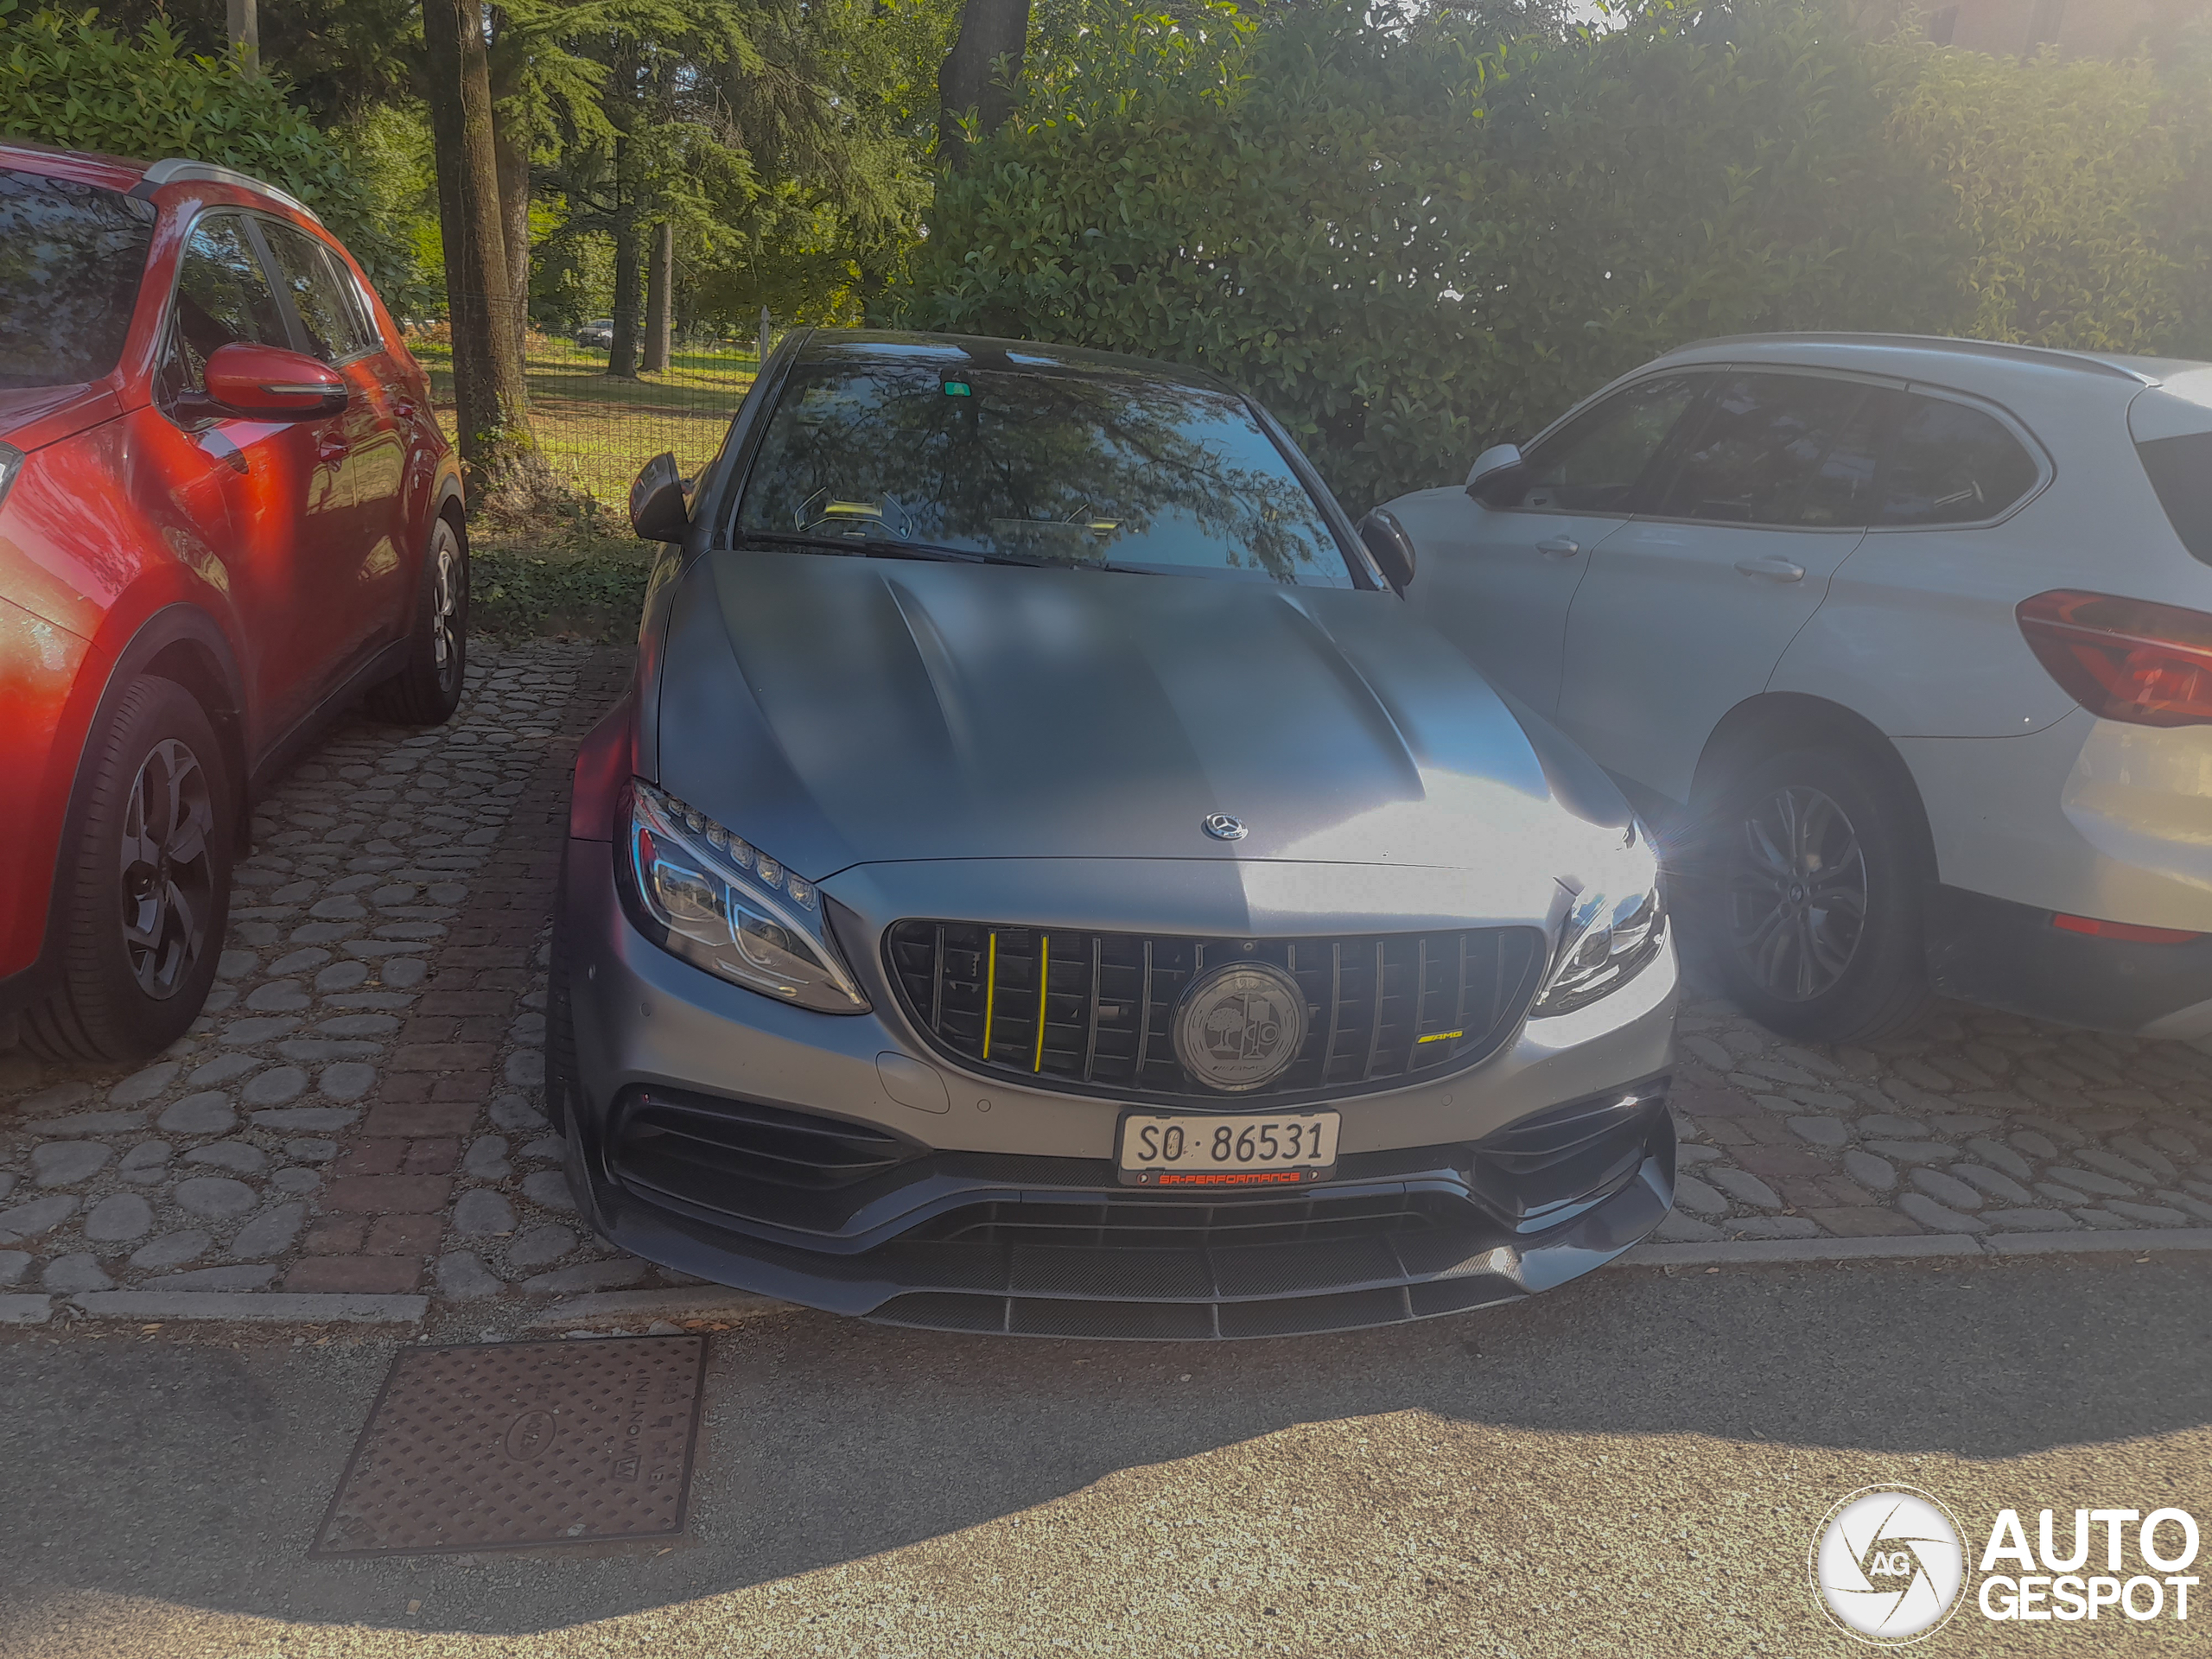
(517, 1445)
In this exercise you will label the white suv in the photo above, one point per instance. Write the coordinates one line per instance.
(1904, 644)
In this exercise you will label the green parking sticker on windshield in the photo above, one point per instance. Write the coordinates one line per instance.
(957, 388)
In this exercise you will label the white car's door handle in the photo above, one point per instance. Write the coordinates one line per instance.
(1559, 547)
(1777, 569)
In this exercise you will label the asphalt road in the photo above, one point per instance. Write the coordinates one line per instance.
(1633, 1466)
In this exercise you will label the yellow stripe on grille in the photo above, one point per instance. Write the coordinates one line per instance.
(1439, 1037)
(990, 993)
(1043, 973)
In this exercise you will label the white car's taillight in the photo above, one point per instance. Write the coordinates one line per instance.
(2125, 659)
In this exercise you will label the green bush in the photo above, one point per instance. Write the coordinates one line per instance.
(1408, 243)
(65, 81)
(590, 590)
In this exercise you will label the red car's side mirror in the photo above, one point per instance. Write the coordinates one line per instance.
(271, 383)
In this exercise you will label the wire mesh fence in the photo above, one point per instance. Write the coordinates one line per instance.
(596, 430)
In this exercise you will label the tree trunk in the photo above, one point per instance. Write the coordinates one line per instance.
(245, 27)
(622, 357)
(505, 62)
(486, 360)
(967, 83)
(513, 160)
(660, 284)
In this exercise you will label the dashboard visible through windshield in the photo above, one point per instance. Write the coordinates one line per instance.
(1002, 461)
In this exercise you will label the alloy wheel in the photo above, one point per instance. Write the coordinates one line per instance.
(1796, 893)
(168, 871)
(445, 594)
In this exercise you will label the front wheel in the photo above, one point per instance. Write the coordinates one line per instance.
(428, 690)
(1811, 901)
(141, 897)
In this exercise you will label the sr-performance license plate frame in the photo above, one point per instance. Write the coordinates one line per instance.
(1177, 1150)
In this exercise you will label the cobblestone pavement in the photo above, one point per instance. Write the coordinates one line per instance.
(358, 1111)
(1976, 1123)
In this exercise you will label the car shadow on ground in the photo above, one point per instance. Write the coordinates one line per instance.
(194, 1472)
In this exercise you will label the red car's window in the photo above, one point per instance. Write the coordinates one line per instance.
(222, 296)
(308, 273)
(70, 257)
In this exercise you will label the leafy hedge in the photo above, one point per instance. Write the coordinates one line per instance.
(593, 592)
(1408, 243)
(65, 81)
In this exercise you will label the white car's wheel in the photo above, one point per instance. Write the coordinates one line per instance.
(1810, 903)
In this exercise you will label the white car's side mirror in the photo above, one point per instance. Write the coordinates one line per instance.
(1498, 474)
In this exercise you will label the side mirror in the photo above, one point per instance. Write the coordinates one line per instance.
(1498, 474)
(1389, 546)
(268, 382)
(657, 510)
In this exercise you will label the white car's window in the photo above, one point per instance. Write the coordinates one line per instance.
(1953, 465)
(1595, 462)
(1761, 444)
(2181, 472)
(1840, 495)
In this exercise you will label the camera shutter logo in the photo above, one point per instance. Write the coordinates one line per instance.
(1887, 1565)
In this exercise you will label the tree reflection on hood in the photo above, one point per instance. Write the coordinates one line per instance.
(988, 452)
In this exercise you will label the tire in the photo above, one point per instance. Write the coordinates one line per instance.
(142, 898)
(561, 1084)
(1812, 871)
(428, 690)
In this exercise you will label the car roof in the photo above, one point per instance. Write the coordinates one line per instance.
(140, 178)
(80, 166)
(1992, 368)
(860, 348)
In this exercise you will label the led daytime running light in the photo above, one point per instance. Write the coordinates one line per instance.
(1616, 930)
(704, 894)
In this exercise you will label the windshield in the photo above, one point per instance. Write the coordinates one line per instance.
(996, 459)
(70, 256)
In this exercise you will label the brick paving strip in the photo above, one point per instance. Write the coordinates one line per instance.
(352, 1132)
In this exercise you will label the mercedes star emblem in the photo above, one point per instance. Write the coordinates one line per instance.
(1221, 827)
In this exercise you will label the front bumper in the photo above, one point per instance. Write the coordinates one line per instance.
(732, 1137)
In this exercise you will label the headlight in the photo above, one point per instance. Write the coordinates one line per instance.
(1617, 927)
(701, 893)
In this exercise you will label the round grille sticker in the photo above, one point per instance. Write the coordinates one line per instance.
(1239, 1025)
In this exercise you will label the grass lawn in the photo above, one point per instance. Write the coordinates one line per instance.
(599, 431)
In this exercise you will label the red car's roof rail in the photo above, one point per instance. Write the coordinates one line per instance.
(176, 169)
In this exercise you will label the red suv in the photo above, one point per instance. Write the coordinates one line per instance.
(225, 511)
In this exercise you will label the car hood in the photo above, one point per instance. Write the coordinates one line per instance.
(840, 711)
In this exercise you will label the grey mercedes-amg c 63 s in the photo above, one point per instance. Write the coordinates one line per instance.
(1043, 879)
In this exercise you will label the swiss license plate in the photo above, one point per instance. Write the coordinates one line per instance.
(1269, 1149)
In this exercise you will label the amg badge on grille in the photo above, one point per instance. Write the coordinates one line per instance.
(1239, 1025)
(1221, 827)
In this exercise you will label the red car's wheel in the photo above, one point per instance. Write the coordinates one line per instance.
(144, 892)
(426, 691)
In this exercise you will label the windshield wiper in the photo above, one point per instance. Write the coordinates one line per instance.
(869, 547)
